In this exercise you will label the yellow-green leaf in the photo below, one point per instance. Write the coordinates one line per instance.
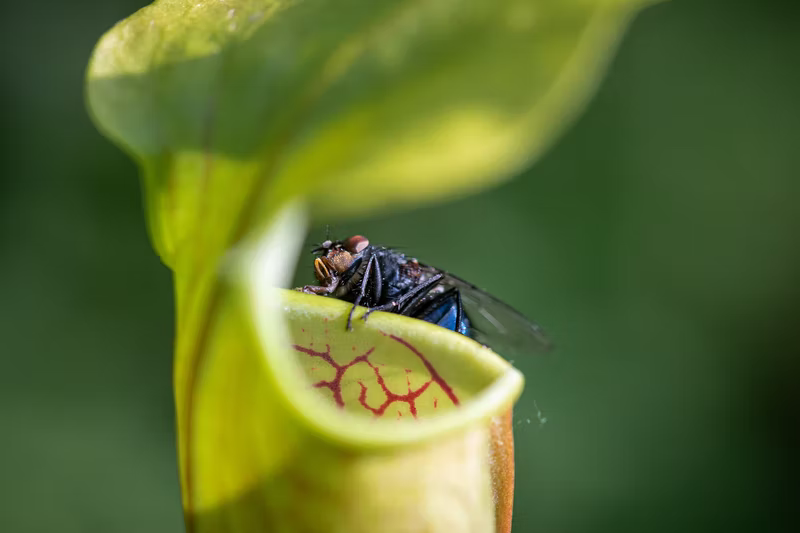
(383, 428)
(247, 114)
(354, 104)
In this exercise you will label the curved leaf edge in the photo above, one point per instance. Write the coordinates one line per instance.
(332, 423)
(271, 307)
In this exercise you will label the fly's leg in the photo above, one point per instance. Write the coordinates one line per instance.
(371, 285)
(385, 307)
(411, 298)
(323, 290)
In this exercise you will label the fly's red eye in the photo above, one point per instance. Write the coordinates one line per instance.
(355, 244)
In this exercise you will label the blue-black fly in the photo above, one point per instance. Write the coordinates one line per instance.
(383, 279)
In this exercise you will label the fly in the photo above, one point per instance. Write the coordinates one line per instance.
(383, 279)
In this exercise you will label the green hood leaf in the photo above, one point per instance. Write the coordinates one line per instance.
(353, 104)
(247, 115)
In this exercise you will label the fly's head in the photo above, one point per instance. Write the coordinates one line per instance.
(336, 257)
(353, 245)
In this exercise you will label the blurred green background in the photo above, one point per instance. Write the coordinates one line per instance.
(657, 243)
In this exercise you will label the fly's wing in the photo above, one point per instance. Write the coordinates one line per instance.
(496, 324)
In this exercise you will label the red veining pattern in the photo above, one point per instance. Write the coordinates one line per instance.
(435, 377)
(335, 385)
(409, 397)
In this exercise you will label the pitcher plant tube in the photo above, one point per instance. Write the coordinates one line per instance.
(248, 116)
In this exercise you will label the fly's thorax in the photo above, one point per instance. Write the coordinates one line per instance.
(411, 270)
(424, 274)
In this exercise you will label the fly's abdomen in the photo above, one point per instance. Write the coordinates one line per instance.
(446, 311)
